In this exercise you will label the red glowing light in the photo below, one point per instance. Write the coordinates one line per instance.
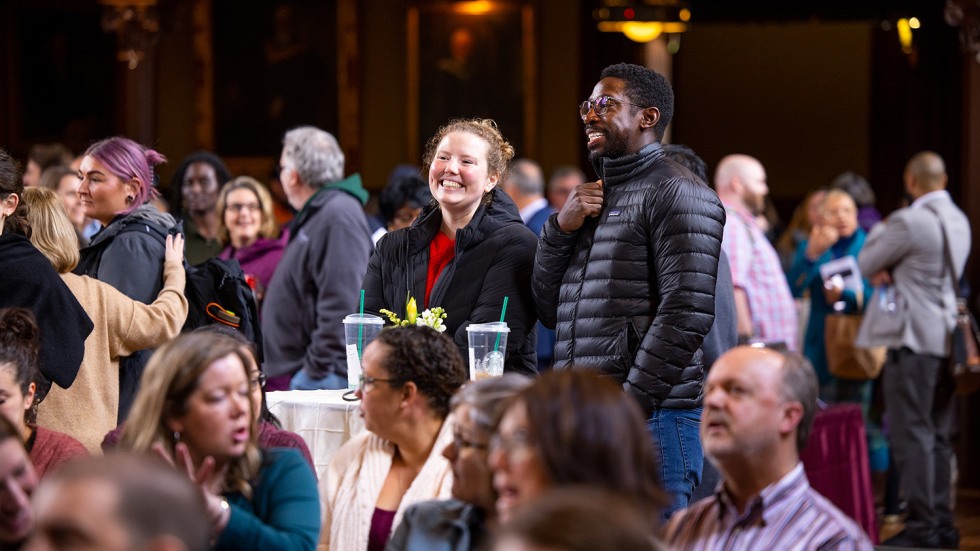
(628, 13)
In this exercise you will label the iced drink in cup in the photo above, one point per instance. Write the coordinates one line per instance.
(488, 348)
(359, 330)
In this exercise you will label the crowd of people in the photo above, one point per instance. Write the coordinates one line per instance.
(665, 362)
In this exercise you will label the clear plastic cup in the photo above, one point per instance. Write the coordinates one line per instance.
(488, 349)
(359, 330)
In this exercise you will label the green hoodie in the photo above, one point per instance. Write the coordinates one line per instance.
(351, 185)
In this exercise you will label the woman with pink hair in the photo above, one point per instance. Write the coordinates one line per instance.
(116, 189)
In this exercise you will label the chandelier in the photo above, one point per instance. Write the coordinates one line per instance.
(644, 20)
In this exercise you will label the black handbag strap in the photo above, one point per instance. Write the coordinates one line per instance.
(947, 252)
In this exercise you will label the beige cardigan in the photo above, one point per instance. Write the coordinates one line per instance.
(87, 410)
(354, 480)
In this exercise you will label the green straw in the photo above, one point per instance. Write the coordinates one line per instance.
(503, 313)
(360, 328)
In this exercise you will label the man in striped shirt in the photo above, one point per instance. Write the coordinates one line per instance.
(759, 406)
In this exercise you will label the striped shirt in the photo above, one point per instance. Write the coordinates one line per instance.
(757, 271)
(787, 515)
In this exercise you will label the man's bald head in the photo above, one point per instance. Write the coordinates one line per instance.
(925, 172)
(741, 179)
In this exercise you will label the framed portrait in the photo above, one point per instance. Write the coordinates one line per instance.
(471, 59)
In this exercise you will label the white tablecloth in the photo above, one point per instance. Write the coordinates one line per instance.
(321, 417)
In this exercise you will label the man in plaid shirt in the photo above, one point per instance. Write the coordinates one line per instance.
(763, 302)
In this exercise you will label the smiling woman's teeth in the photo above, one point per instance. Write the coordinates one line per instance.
(453, 185)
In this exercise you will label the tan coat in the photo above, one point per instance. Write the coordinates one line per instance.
(87, 410)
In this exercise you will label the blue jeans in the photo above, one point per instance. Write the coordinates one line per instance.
(676, 434)
(302, 381)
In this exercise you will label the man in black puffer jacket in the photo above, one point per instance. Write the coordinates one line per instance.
(626, 271)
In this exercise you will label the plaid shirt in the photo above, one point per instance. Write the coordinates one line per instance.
(757, 271)
(788, 515)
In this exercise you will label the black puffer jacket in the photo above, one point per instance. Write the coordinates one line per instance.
(632, 291)
(493, 259)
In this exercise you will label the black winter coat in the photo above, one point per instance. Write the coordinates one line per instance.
(632, 291)
(494, 255)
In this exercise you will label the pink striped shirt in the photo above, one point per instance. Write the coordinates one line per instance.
(788, 515)
(757, 271)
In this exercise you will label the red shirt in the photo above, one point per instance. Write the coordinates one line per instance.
(441, 251)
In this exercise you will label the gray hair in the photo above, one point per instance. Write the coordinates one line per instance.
(489, 398)
(800, 385)
(315, 154)
(527, 177)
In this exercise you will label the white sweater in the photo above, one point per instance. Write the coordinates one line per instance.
(354, 480)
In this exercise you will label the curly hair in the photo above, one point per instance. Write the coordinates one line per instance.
(19, 345)
(586, 431)
(499, 153)
(645, 87)
(128, 160)
(427, 358)
(11, 182)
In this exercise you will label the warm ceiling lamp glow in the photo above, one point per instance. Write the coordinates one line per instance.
(914, 22)
(905, 35)
(474, 7)
(642, 32)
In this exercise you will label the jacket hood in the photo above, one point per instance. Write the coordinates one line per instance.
(352, 185)
(147, 214)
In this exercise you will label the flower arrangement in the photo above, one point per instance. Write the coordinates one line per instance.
(431, 317)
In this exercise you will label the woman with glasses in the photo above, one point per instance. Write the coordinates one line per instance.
(409, 375)
(194, 408)
(248, 230)
(835, 235)
(271, 433)
(89, 407)
(464, 522)
(468, 250)
(573, 427)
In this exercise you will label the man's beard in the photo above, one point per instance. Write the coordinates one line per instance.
(755, 203)
(615, 148)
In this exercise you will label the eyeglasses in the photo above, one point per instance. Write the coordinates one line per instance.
(600, 105)
(237, 208)
(460, 442)
(519, 441)
(363, 382)
(258, 381)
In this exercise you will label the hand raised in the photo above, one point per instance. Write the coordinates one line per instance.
(584, 201)
(174, 248)
(821, 238)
